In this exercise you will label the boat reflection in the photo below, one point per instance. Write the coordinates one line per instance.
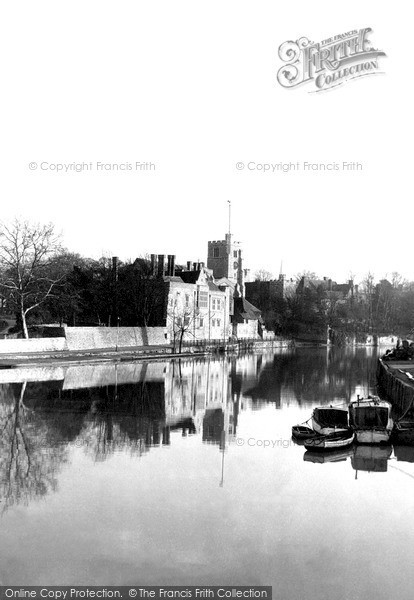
(404, 453)
(340, 455)
(373, 459)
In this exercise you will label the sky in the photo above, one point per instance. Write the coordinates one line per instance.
(192, 89)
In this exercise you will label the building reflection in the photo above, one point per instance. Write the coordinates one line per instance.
(133, 407)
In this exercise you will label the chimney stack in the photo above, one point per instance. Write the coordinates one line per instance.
(188, 265)
(161, 258)
(171, 265)
(194, 266)
(115, 260)
(153, 264)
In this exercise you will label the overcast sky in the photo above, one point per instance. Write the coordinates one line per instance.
(191, 87)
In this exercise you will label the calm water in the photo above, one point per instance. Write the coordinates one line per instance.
(184, 474)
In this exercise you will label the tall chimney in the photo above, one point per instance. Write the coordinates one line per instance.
(161, 258)
(194, 266)
(114, 316)
(153, 264)
(168, 264)
(188, 265)
(115, 268)
(172, 265)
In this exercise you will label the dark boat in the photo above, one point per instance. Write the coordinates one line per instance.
(333, 441)
(371, 420)
(302, 432)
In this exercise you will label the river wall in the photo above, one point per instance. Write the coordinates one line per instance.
(88, 338)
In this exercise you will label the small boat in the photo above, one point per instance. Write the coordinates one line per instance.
(328, 419)
(333, 441)
(302, 432)
(371, 420)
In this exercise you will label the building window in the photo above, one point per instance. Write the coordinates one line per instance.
(235, 253)
(187, 300)
(216, 252)
(213, 304)
(203, 299)
(213, 322)
(201, 322)
(236, 264)
(218, 304)
(218, 321)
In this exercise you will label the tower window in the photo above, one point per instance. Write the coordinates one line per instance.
(236, 265)
(235, 253)
(216, 252)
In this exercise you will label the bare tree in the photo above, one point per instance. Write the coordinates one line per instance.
(263, 275)
(182, 323)
(27, 253)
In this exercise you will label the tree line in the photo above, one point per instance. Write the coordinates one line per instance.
(384, 307)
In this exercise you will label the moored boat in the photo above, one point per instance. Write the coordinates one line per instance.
(371, 420)
(329, 419)
(339, 439)
(302, 432)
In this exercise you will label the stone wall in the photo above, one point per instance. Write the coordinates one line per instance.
(88, 338)
(32, 345)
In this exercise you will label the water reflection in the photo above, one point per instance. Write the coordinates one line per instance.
(30, 451)
(116, 474)
(371, 458)
(131, 408)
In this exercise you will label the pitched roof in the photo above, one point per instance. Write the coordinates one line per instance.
(212, 286)
(175, 278)
(190, 276)
(245, 310)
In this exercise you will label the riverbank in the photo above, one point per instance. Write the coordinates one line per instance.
(56, 357)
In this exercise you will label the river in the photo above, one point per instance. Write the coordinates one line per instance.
(184, 473)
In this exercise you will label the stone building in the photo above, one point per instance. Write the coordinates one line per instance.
(196, 306)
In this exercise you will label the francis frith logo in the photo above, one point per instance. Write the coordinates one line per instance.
(329, 63)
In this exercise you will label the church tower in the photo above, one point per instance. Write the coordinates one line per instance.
(224, 258)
